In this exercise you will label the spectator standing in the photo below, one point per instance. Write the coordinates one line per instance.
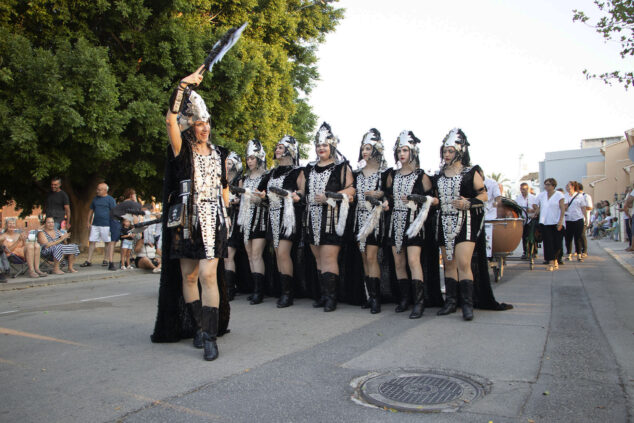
(128, 205)
(526, 201)
(57, 204)
(99, 224)
(127, 242)
(551, 208)
(589, 207)
(629, 207)
(575, 219)
(491, 210)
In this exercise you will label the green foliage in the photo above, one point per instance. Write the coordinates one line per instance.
(84, 84)
(616, 24)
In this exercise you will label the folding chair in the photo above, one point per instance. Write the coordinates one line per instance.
(17, 265)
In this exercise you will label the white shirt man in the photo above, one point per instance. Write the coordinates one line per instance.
(491, 211)
(526, 201)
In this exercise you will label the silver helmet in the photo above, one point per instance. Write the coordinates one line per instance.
(407, 139)
(456, 139)
(256, 149)
(373, 138)
(195, 110)
(290, 145)
(234, 164)
(324, 135)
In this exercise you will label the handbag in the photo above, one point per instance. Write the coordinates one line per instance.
(176, 215)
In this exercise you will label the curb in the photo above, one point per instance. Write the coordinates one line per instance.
(622, 262)
(70, 278)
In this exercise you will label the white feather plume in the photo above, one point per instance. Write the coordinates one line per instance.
(370, 224)
(417, 224)
(343, 215)
(288, 222)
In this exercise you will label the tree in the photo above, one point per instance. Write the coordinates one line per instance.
(502, 180)
(617, 23)
(84, 86)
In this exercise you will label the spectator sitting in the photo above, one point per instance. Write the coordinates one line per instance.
(16, 243)
(4, 266)
(146, 256)
(53, 246)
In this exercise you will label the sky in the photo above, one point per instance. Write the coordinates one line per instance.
(508, 73)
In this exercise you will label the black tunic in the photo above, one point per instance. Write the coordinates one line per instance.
(363, 210)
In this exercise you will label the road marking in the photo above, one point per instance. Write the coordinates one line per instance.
(103, 298)
(5, 331)
(175, 407)
(10, 311)
(3, 361)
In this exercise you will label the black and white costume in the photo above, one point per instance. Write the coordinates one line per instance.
(284, 177)
(234, 163)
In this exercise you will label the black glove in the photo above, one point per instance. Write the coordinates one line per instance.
(417, 198)
(279, 191)
(333, 195)
(373, 201)
(236, 190)
(179, 99)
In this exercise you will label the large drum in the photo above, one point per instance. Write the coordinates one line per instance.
(507, 234)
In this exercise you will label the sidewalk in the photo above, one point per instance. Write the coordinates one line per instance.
(617, 251)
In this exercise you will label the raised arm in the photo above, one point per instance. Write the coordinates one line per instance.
(177, 99)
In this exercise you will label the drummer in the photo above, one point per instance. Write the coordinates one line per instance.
(491, 211)
(526, 201)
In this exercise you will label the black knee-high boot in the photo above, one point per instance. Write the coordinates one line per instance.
(330, 282)
(210, 332)
(466, 292)
(230, 281)
(420, 296)
(258, 288)
(451, 292)
(286, 299)
(366, 303)
(404, 288)
(322, 296)
(195, 311)
(374, 291)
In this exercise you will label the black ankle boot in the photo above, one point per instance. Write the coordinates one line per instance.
(404, 288)
(322, 296)
(330, 282)
(230, 282)
(451, 292)
(366, 304)
(286, 299)
(210, 332)
(195, 312)
(374, 290)
(466, 292)
(420, 295)
(258, 288)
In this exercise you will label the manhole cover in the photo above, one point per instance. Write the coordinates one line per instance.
(421, 390)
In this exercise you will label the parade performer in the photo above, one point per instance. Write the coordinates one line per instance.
(409, 190)
(328, 186)
(252, 216)
(462, 194)
(197, 222)
(234, 175)
(368, 222)
(280, 186)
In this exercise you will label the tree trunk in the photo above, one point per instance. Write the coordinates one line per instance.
(80, 199)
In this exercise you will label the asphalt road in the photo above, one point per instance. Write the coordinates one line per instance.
(81, 352)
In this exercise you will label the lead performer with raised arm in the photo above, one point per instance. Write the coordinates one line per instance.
(368, 222)
(410, 192)
(329, 187)
(197, 222)
(462, 194)
(280, 186)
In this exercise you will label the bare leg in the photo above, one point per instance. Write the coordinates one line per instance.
(400, 263)
(413, 259)
(189, 272)
(56, 269)
(373, 269)
(255, 258)
(91, 250)
(283, 257)
(315, 250)
(36, 258)
(209, 282)
(450, 266)
(109, 251)
(230, 263)
(71, 261)
(464, 253)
